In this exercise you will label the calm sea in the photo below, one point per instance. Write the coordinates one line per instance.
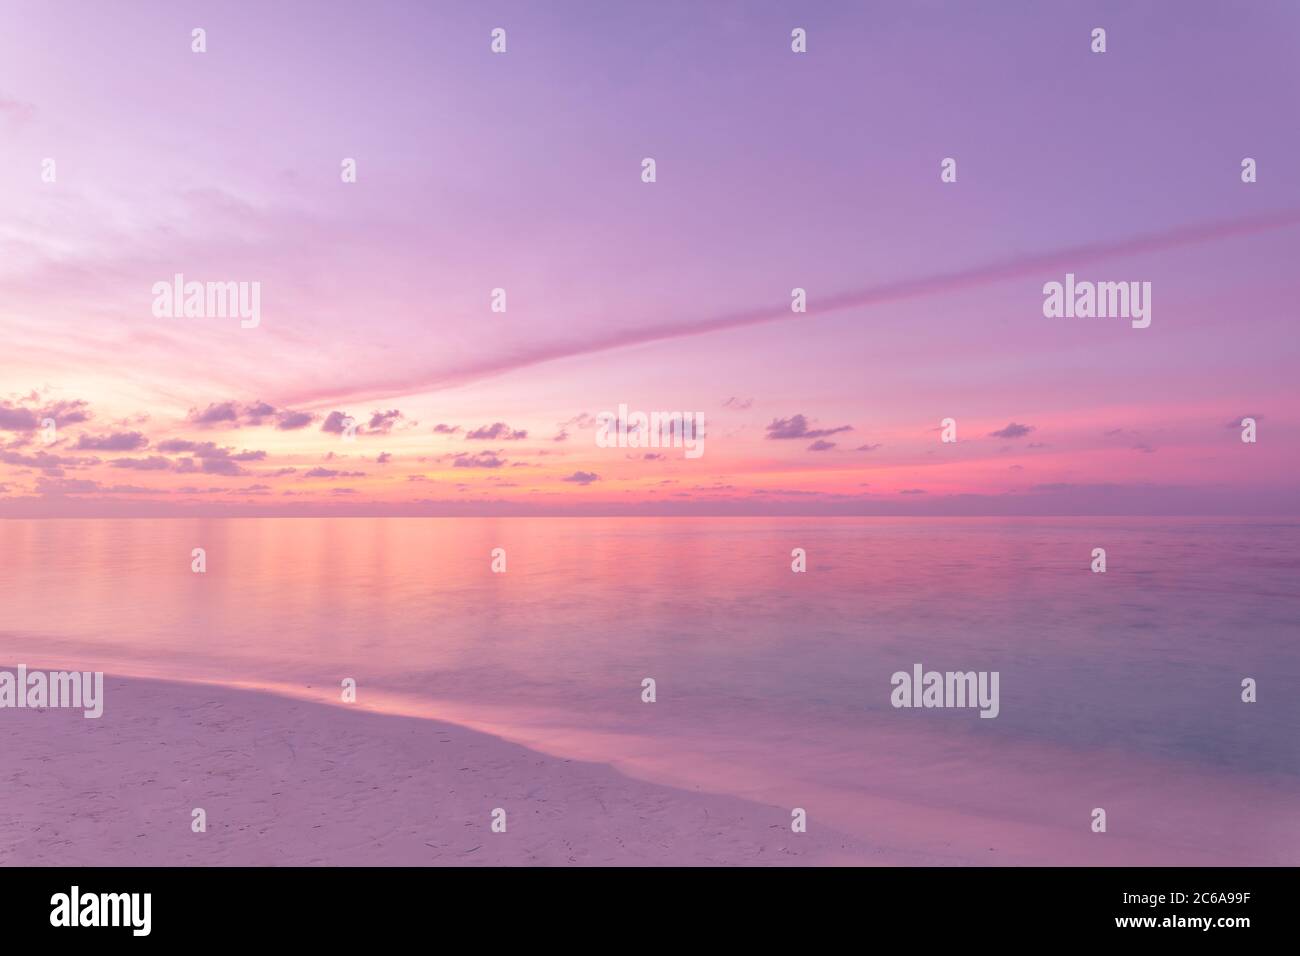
(1120, 689)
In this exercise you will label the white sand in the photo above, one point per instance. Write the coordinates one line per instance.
(286, 781)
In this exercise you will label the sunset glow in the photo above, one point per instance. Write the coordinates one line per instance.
(514, 173)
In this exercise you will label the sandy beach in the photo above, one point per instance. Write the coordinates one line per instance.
(287, 777)
(290, 782)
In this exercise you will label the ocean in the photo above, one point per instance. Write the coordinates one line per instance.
(1120, 690)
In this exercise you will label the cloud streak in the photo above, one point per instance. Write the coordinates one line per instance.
(882, 294)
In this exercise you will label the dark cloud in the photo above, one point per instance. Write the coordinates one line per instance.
(482, 459)
(15, 419)
(211, 459)
(797, 427)
(1012, 430)
(222, 466)
(46, 462)
(18, 417)
(497, 431)
(289, 421)
(821, 445)
(117, 441)
(207, 449)
(333, 423)
(257, 411)
(152, 463)
(582, 477)
(64, 486)
(319, 472)
(215, 414)
(383, 422)
(84, 486)
(237, 414)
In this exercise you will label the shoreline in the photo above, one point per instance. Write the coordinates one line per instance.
(286, 781)
(289, 775)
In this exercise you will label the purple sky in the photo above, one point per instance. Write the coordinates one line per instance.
(775, 170)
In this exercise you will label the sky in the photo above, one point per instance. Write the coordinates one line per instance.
(523, 171)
